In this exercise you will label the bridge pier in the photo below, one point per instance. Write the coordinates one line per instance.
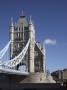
(38, 77)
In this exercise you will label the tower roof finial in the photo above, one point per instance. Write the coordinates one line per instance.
(22, 14)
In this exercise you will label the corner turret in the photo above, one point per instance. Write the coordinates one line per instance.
(11, 38)
(32, 46)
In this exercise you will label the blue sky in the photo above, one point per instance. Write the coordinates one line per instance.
(50, 20)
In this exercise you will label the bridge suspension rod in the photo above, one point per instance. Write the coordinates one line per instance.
(4, 50)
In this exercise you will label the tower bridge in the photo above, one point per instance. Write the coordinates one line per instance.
(24, 50)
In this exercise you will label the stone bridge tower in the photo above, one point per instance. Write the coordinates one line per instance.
(20, 33)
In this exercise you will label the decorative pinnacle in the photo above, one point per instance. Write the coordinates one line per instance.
(12, 21)
(30, 20)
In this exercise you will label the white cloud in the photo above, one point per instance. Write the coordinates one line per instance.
(50, 41)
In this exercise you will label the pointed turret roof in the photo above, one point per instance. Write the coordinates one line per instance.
(22, 20)
(30, 20)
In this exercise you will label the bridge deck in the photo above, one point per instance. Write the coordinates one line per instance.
(10, 71)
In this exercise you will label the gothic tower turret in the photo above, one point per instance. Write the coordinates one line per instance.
(11, 37)
(32, 45)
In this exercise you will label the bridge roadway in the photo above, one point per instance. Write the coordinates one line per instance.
(12, 71)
